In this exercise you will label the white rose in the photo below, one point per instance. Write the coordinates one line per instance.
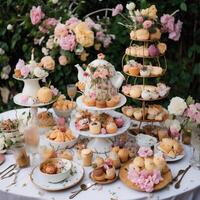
(130, 6)
(1, 51)
(40, 73)
(49, 43)
(9, 27)
(2, 143)
(54, 1)
(177, 106)
(175, 124)
(45, 51)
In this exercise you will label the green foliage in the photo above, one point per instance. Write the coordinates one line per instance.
(182, 57)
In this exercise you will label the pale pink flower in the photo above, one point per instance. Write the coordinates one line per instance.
(107, 41)
(175, 35)
(139, 19)
(54, 90)
(174, 133)
(20, 64)
(100, 36)
(92, 95)
(25, 71)
(145, 152)
(36, 15)
(118, 9)
(147, 24)
(72, 21)
(68, 43)
(167, 22)
(60, 30)
(23, 99)
(42, 29)
(91, 24)
(50, 22)
(193, 112)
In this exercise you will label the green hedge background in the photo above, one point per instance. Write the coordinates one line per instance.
(183, 57)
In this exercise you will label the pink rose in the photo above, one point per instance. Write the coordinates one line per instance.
(118, 9)
(50, 22)
(174, 133)
(60, 30)
(139, 19)
(36, 15)
(147, 24)
(68, 42)
(24, 71)
(145, 152)
(193, 112)
(175, 35)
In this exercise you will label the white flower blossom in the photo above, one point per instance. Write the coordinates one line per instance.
(9, 27)
(40, 73)
(177, 106)
(50, 43)
(130, 6)
(5, 72)
(54, 1)
(2, 51)
(45, 51)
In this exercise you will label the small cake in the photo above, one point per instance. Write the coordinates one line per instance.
(138, 163)
(89, 101)
(123, 154)
(100, 103)
(145, 72)
(128, 110)
(111, 128)
(99, 174)
(115, 159)
(95, 127)
(156, 35)
(114, 101)
(142, 34)
(44, 95)
(135, 91)
(155, 71)
(86, 155)
(134, 70)
(146, 94)
(98, 162)
(110, 173)
(160, 163)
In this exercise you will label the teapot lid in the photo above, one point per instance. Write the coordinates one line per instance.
(100, 62)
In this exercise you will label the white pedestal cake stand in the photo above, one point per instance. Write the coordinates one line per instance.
(101, 143)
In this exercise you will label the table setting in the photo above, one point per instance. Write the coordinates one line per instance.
(93, 141)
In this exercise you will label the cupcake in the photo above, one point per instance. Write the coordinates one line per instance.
(134, 70)
(142, 34)
(111, 128)
(44, 95)
(89, 101)
(100, 104)
(135, 91)
(95, 127)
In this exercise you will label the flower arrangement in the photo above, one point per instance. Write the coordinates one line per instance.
(183, 115)
(146, 23)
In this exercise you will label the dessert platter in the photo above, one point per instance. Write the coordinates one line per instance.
(101, 84)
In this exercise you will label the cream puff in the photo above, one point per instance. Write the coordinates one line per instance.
(95, 127)
(111, 128)
(123, 155)
(44, 95)
(138, 163)
(149, 164)
(135, 91)
(110, 173)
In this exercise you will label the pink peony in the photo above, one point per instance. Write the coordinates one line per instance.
(167, 22)
(153, 50)
(72, 21)
(145, 152)
(20, 64)
(68, 42)
(175, 35)
(147, 24)
(193, 112)
(24, 71)
(60, 30)
(118, 9)
(36, 15)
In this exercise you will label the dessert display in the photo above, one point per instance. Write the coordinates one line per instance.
(152, 112)
(45, 119)
(147, 172)
(55, 169)
(60, 137)
(146, 92)
(102, 123)
(104, 171)
(171, 147)
(86, 156)
(134, 68)
(63, 107)
(101, 83)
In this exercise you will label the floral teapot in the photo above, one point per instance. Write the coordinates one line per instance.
(100, 68)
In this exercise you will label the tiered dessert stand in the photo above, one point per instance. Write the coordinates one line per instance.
(144, 60)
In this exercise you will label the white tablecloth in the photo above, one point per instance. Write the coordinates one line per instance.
(26, 190)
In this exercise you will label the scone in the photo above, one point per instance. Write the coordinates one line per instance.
(138, 163)
(142, 34)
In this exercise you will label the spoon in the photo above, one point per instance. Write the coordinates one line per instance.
(83, 187)
(181, 171)
(177, 185)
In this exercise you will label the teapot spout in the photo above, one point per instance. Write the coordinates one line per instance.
(80, 73)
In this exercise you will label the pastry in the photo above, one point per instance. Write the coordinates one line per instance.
(98, 162)
(45, 119)
(160, 163)
(128, 110)
(138, 114)
(46, 153)
(146, 94)
(142, 34)
(123, 155)
(149, 164)
(115, 159)
(111, 128)
(126, 68)
(80, 85)
(89, 101)
(133, 35)
(138, 163)
(134, 70)
(44, 95)
(115, 149)
(86, 155)
(100, 103)
(110, 173)
(113, 101)
(162, 47)
(63, 105)
(66, 154)
(95, 127)
(156, 71)
(99, 174)
(145, 72)
(156, 35)
(135, 91)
